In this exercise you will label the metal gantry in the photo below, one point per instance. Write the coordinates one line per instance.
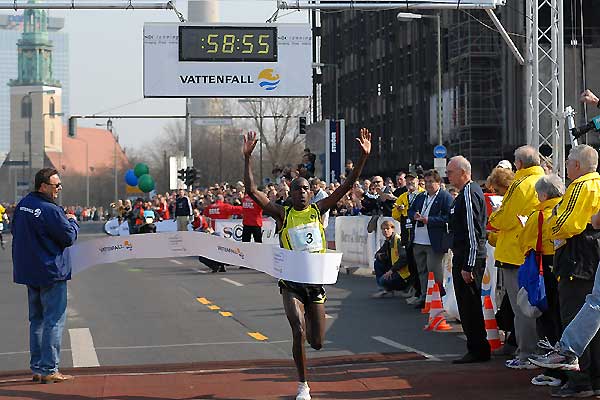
(545, 79)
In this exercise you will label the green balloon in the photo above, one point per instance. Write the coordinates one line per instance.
(141, 169)
(146, 183)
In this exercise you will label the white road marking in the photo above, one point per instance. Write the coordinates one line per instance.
(82, 348)
(232, 282)
(405, 348)
(201, 271)
(176, 262)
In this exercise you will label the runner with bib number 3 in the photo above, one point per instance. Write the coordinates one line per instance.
(300, 228)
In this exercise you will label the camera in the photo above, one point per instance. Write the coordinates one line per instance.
(577, 132)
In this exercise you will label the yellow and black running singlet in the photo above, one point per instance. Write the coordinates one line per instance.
(303, 230)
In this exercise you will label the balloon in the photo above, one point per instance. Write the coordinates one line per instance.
(130, 178)
(146, 183)
(141, 169)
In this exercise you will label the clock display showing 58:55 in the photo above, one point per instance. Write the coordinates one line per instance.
(200, 43)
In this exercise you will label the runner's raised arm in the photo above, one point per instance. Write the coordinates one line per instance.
(365, 144)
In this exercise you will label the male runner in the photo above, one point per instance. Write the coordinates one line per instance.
(300, 228)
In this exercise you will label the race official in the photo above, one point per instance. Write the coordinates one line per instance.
(467, 225)
(519, 202)
(221, 210)
(252, 222)
(41, 232)
(577, 254)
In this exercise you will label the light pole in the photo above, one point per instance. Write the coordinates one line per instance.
(112, 130)
(260, 129)
(336, 71)
(405, 17)
(29, 114)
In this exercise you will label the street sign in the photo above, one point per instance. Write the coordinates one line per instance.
(227, 60)
(213, 121)
(439, 164)
(440, 151)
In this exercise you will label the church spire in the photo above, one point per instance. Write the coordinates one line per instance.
(35, 51)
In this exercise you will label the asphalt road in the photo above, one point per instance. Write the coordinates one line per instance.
(175, 311)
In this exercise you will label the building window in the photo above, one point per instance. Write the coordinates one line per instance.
(26, 107)
(52, 107)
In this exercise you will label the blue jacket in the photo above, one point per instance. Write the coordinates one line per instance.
(41, 232)
(437, 223)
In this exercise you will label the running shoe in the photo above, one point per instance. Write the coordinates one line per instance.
(413, 300)
(570, 390)
(519, 364)
(556, 360)
(407, 294)
(303, 391)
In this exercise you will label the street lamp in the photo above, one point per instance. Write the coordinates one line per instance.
(29, 114)
(260, 129)
(337, 74)
(407, 17)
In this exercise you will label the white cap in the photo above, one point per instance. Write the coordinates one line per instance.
(504, 164)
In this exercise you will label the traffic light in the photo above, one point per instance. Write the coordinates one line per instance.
(302, 125)
(190, 176)
(181, 175)
(72, 127)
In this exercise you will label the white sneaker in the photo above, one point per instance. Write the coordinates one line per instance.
(545, 380)
(303, 391)
(413, 300)
(519, 364)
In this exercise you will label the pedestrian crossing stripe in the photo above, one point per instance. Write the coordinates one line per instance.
(214, 307)
(225, 313)
(203, 300)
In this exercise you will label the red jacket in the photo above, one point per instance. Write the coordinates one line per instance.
(200, 223)
(251, 212)
(221, 210)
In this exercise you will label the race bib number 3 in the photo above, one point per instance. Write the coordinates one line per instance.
(306, 237)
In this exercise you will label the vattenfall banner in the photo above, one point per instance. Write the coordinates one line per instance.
(281, 66)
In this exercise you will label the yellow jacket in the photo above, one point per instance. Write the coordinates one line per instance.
(403, 200)
(580, 202)
(519, 200)
(2, 211)
(528, 238)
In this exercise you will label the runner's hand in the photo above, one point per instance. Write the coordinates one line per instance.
(250, 141)
(588, 97)
(365, 141)
(467, 277)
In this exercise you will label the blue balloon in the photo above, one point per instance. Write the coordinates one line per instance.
(130, 178)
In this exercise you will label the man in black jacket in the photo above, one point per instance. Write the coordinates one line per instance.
(467, 224)
(183, 210)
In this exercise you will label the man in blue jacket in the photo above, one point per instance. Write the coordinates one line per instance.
(41, 232)
(430, 239)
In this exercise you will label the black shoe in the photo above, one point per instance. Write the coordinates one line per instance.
(214, 270)
(470, 358)
(222, 269)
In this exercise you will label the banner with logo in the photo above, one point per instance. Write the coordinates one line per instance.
(316, 268)
(287, 74)
(232, 229)
(335, 149)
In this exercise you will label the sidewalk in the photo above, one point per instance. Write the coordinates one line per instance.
(371, 376)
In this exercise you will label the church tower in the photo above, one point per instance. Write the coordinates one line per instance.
(35, 99)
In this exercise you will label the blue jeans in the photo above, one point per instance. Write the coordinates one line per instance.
(47, 314)
(395, 283)
(584, 327)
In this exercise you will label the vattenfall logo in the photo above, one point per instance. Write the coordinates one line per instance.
(125, 246)
(268, 80)
(232, 251)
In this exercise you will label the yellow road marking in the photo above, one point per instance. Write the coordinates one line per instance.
(203, 300)
(257, 336)
(225, 313)
(213, 307)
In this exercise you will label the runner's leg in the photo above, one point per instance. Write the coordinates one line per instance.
(294, 310)
(315, 324)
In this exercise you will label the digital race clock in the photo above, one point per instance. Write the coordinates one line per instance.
(227, 43)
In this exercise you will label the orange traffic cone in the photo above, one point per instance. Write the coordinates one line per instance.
(430, 283)
(437, 321)
(491, 326)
